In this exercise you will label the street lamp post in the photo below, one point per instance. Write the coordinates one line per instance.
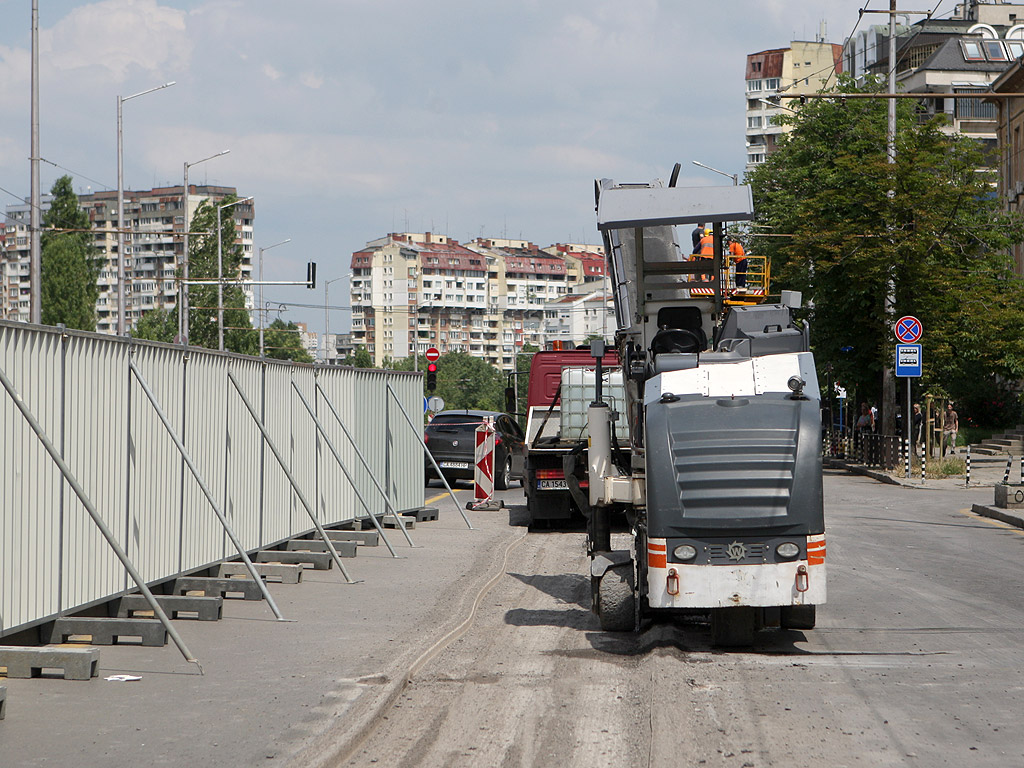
(734, 176)
(120, 208)
(259, 305)
(183, 291)
(327, 317)
(220, 274)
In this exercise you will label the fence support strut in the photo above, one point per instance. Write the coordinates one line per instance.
(69, 476)
(426, 451)
(295, 486)
(351, 481)
(362, 459)
(205, 489)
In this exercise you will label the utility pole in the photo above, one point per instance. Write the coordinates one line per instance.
(35, 200)
(888, 381)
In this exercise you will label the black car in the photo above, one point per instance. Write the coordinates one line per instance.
(451, 439)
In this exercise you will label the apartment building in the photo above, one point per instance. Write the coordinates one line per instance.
(487, 298)
(154, 246)
(803, 67)
(578, 317)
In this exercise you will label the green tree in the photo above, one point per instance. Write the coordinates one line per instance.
(282, 341)
(359, 358)
(239, 335)
(69, 265)
(157, 325)
(464, 381)
(940, 241)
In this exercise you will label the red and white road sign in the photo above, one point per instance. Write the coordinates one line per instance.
(432, 355)
(483, 476)
(908, 329)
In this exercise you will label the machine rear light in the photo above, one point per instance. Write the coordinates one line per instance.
(497, 440)
(426, 437)
(550, 474)
(685, 552)
(787, 550)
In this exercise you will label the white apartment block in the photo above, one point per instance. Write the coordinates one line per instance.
(578, 317)
(804, 67)
(153, 249)
(487, 298)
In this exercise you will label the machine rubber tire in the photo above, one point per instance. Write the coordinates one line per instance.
(732, 627)
(798, 617)
(616, 599)
(502, 478)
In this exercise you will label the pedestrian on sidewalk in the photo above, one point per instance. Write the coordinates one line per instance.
(917, 422)
(950, 427)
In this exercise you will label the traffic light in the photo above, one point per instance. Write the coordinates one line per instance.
(431, 377)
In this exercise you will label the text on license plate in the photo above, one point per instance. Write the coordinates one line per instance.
(552, 485)
(454, 465)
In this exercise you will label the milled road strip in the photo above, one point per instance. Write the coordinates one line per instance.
(337, 750)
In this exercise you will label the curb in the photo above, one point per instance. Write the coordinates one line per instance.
(998, 514)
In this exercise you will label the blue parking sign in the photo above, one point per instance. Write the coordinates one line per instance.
(908, 360)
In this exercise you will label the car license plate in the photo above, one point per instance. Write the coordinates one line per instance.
(454, 465)
(552, 485)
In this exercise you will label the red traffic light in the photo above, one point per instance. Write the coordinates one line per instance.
(432, 368)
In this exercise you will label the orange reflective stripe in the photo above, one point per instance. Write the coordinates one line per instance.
(656, 555)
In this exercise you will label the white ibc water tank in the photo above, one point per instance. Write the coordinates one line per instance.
(578, 392)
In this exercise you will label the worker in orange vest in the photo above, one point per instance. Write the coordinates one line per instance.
(737, 255)
(707, 244)
(705, 251)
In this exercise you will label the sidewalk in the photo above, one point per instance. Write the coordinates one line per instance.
(273, 693)
(985, 474)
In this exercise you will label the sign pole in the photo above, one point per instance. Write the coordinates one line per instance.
(910, 419)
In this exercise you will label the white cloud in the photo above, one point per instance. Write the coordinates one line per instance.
(311, 80)
(271, 72)
(120, 36)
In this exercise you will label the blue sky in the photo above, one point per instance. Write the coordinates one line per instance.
(349, 119)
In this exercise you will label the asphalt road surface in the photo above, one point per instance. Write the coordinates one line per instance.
(916, 660)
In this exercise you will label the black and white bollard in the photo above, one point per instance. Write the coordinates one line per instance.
(968, 460)
(1022, 469)
(922, 463)
(1006, 474)
(906, 459)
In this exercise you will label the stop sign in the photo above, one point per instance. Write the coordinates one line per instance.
(432, 355)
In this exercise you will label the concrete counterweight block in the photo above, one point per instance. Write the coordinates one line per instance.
(362, 538)
(3, 702)
(205, 608)
(284, 573)
(211, 587)
(24, 662)
(106, 631)
(341, 546)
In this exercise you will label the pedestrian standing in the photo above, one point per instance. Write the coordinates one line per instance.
(916, 423)
(739, 259)
(950, 428)
(696, 235)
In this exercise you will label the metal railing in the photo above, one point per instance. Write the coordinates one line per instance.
(865, 448)
(150, 432)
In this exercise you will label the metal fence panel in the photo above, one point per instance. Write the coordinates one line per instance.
(30, 485)
(206, 398)
(244, 440)
(277, 491)
(156, 469)
(301, 451)
(80, 388)
(97, 448)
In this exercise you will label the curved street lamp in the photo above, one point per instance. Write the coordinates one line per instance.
(120, 208)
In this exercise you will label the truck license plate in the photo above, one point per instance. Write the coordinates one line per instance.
(552, 485)
(454, 465)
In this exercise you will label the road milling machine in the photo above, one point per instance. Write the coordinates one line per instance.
(721, 483)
